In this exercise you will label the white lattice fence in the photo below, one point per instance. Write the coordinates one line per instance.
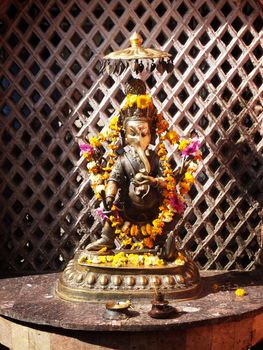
(52, 93)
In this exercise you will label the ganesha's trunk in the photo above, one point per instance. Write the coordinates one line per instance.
(144, 159)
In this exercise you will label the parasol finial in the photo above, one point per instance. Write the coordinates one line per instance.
(136, 40)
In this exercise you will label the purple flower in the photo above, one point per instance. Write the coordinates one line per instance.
(177, 204)
(85, 148)
(191, 149)
(101, 213)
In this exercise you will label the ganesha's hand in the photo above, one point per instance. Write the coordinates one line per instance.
(142, 179)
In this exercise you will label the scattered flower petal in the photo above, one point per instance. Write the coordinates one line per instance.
(240, 292)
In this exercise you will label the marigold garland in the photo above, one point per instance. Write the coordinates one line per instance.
(142, 236)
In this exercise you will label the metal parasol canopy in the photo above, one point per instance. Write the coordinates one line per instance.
(137, 58)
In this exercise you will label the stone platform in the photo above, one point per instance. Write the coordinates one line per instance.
(33, 317)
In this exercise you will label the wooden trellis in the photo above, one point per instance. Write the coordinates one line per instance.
(52, 94)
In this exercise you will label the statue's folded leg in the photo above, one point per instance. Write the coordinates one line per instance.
(106, 240)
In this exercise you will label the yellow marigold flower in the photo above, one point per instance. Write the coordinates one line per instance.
(181, 256)
(130, 100)
(114, 121)
(179, 262)
(103, 259)
(183, 143)
(172, 136)
(143, 101)
(88, 156)
(167, 216)
(160, 262)
(115, 221)
(95, 142)
(134, 258)
(102, 250)
(240, 292)
(98, 196)
(127, 241)
(189, 178)
(105, 176)
(119, 260)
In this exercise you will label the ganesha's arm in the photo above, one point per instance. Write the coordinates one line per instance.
(142, 179)
(115, 181)
(111, 190)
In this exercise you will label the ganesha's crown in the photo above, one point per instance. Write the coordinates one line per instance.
(135, 87)
(138, 105)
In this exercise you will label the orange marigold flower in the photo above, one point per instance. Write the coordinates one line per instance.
(157, 230)
(165, 193)
(185, 187)
(134, 230)
(143, 101)
(158, 223)
(198, 156)
(148, 242)
(170, 186)
(168, 171)
(161, 152)
(162, 126)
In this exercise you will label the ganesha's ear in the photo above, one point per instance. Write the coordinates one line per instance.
(153, 138)
(122, 133)
(153, 134)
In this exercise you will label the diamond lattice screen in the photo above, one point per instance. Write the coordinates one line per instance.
(52, 93)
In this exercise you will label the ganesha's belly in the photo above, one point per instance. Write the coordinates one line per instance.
(143, 207)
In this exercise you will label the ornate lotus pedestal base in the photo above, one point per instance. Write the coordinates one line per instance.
(85, 281)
